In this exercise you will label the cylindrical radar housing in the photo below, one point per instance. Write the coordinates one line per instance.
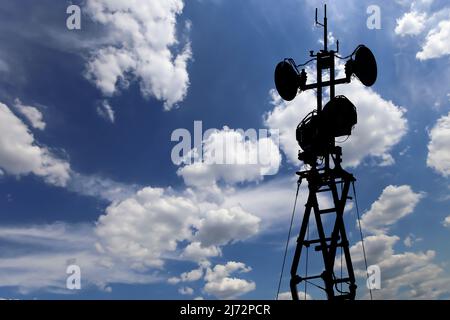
(316, 132)
(338, 117)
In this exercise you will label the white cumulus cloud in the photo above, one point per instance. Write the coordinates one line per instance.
(49, 249)
(434, 26)
(141, 46)
(439, 146)
(20, 154)
(124, 229)
(232, 156)
(105, 111)
(195, 251)
(172, 219)
(32, 114)
(394, 203)
(188, 276)
(220, 283)
(406, 275)
(446, 222)
(437, 42)
(411, 23)
(221, 225)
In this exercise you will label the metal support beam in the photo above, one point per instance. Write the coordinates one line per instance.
(328, 245)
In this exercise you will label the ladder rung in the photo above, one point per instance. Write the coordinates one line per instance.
(319, 248)
(327, 210)
(299, 279)
(324, 190)
(309, 242)
(326, 183)
(341, 280)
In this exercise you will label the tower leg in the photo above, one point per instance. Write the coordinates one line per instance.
(295, 279)
(326, 181)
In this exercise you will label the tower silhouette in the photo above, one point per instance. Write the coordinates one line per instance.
(316, 135)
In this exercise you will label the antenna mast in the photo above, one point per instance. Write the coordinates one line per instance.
(316, 135)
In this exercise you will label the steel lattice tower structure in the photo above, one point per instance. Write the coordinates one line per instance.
(316, 135)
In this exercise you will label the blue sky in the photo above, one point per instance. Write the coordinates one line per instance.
(87, 117)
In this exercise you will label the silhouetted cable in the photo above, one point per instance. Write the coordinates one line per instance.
(362, 237)
(350, 55)
(342, 284)
(307, 262)
(341, 269)
(304, 64)
(315, 285)
(288, 238)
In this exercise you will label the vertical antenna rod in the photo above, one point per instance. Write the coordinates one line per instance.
(325, 30)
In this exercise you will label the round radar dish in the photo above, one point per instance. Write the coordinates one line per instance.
(287, 79)
(365, 66)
